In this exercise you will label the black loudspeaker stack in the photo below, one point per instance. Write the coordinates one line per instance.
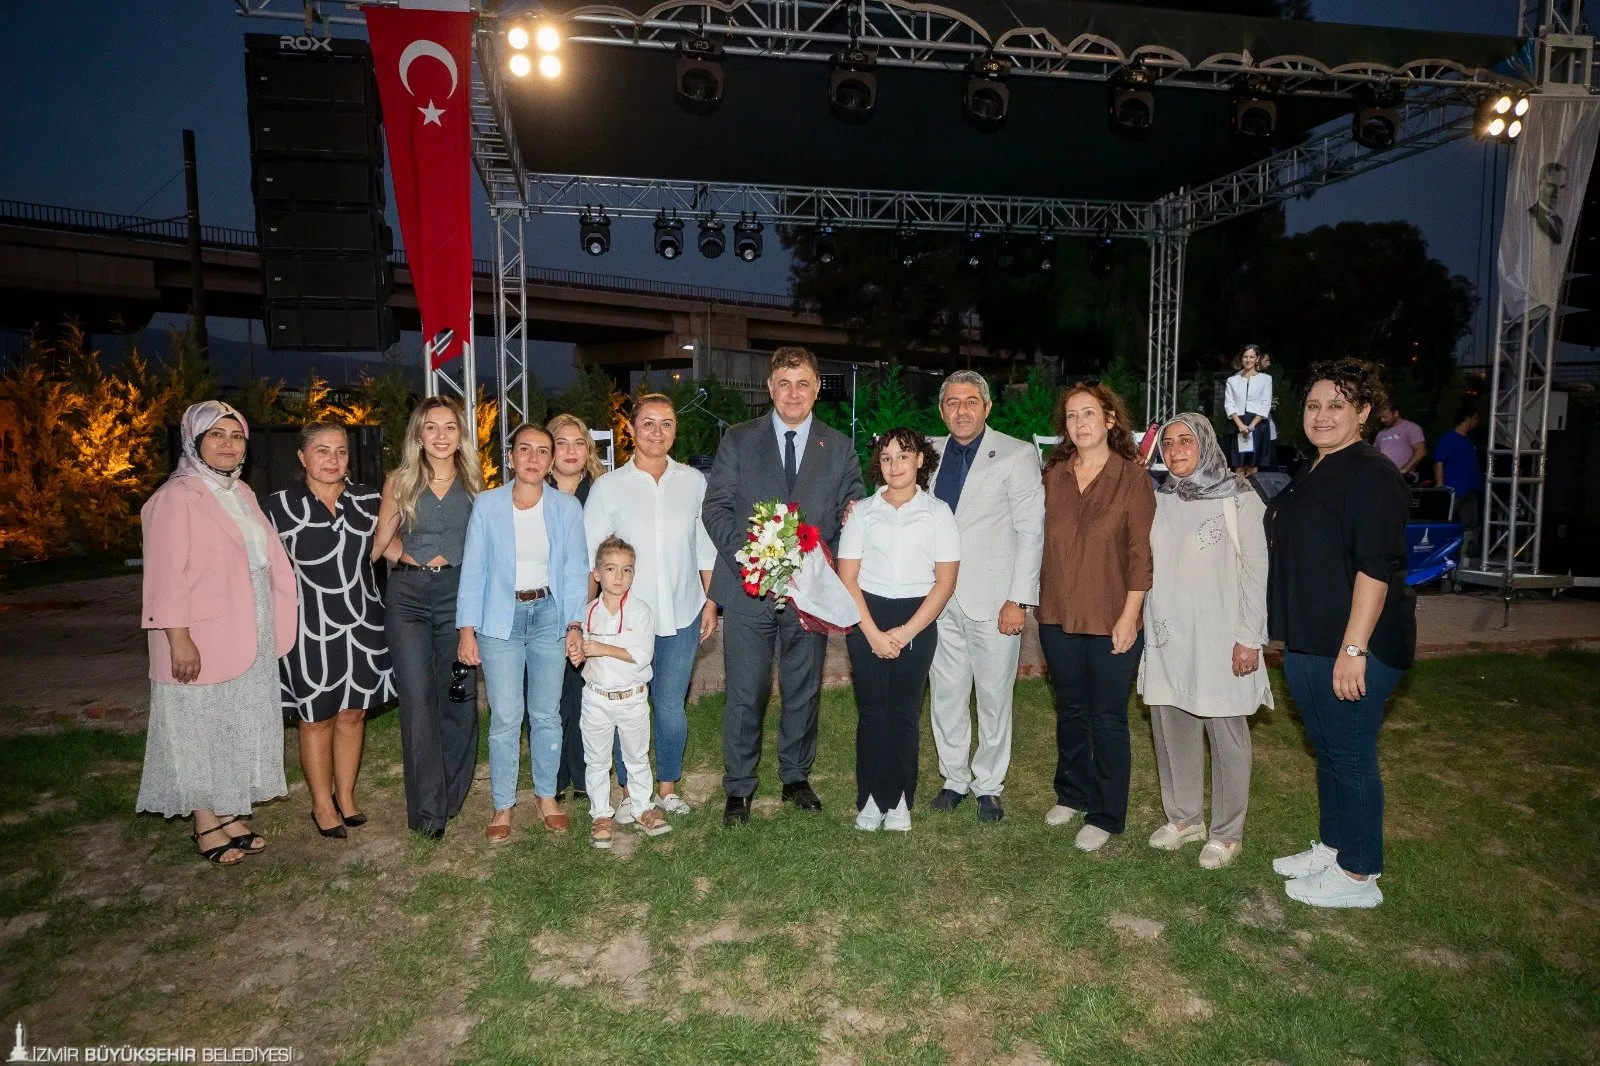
(316, 160)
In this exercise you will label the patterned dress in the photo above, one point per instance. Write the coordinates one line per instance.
(340, 659)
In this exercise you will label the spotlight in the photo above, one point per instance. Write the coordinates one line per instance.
(547, 37)
(1100, 258)
(825, 245)
(907, 248)
(973, 253)
(712, 241)
(669, 236)
(1521, 106)
(699, 75)
(550, 66)
(1377, 119)
(1514, 130)
(594, 233)
(1133, 106)
(1255, 114)
(987, 96)
(1007, 256)
(1501, 116)
(852, 87)
(747, 238)
(517, 37)
(521, 65)
(1046, 252)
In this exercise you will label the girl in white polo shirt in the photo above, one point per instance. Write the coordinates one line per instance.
(898, 556)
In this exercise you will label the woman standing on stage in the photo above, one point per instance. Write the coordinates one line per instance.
(339, 668)
(1247, 400)
(422, 532)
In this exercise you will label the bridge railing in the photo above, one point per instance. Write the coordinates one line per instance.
(176, 231)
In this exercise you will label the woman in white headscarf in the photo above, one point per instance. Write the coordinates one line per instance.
(1205, 622)
(220, 605)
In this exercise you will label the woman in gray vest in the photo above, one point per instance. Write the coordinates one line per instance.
(422, 532)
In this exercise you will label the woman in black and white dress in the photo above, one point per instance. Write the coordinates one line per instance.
(339, 668)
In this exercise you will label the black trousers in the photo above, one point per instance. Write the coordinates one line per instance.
(751, 631)
(572, 766)
(889, 705)
(438, 738)
(1093, 752)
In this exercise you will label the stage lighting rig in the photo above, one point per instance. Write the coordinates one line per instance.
(550, 66)
(699, 75)
(1255, 114)
(520, 65)
(1501, 116)
(1377, 119)
(1046, 252)
(907, 248)
(975, 250)
(517, 37)
(712, 239)
(825, 245)
(987, 96)
(1133, 105)
(852, 86)
(669, 236)
(747, 238)
(594, 233)
(1007, 254)
(1101, 261)
(545, 37)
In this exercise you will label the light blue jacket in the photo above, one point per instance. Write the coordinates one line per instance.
(487, 599)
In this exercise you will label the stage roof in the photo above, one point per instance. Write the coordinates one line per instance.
(612, 112)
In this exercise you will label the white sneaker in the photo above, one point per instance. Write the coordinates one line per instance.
(672, 803)
(1091, 838)
(624, 815)
(1317, 857)
(870, 818)
(1330, 887)
(1060, 815)
(898, 819)
(1170, 838)
(1219, 853)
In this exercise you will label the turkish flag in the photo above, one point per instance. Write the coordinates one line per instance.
(423, 61)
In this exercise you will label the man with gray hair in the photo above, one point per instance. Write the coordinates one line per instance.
(992, 483)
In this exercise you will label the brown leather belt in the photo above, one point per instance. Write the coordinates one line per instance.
(526, 595)
(414, 566)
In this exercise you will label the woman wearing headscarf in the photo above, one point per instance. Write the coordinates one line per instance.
(1205, 622)
(220, 608)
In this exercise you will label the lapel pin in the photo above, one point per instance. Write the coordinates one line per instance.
(991, 453)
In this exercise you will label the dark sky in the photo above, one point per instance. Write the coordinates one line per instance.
(98, 95)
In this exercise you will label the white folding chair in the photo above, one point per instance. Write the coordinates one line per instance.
(1044, 444)
(606, 445)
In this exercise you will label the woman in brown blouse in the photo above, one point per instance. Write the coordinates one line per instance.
(1098, 506)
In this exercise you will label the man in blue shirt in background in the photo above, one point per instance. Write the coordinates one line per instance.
(1456, 467)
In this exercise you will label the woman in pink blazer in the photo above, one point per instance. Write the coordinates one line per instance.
(220, 606)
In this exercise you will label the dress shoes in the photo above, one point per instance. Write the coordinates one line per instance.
(800, 794)
(990, 809)
(948, 799)
(737, 812)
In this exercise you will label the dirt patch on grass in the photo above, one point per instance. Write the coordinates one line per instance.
(1264, 910)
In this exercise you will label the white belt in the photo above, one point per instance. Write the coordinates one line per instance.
(618, 693)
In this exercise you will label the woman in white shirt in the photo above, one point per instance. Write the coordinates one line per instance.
(653, 503)
(898, 557)
(1247, 399)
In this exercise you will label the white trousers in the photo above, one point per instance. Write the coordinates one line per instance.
(973, 654)
(629, 721)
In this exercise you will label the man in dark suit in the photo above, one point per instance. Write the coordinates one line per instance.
(787, 455)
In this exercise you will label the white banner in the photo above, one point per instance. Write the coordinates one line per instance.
(1544, 193)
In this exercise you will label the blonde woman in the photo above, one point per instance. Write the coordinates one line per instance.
(573, 468)
(422, 531)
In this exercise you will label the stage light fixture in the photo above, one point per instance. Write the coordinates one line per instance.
(747, 238)
(1133, 106)
(712, 239)
(699, 75)
(1501, 116)
(521, 65)
(987, 97)
(550, 66)
(1255, 113)
(1514, 129)
(547, 37)
(1101, 260)
(825, 245)
(1007, 254)
(517, 37)
(594, 233)
(852, 86)
(907, 248)
(1377, 119)
(975, 250)
(1521, 106)
(1046, 252)
(669, 236)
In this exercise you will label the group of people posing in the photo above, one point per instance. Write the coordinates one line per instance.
(583, 596)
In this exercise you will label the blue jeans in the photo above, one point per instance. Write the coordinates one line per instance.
(671, 664)
(523, 678)
(1344, 735)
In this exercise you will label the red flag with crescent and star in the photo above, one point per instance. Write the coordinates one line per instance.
(422, 55)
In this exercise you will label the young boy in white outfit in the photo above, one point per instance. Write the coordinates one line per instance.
(619, 637)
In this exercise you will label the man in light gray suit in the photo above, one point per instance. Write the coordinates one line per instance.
(788, 455)
(992, 483)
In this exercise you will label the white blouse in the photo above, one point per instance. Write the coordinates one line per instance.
(533, 547)
(1248, 395)
(898, 546)
(255, 537)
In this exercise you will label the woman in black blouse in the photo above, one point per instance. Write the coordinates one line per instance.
(575, 466)
(339, 668)
(1337, 598)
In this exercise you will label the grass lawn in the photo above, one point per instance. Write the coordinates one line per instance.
(799, 939)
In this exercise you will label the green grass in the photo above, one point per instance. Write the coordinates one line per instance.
(798, 939)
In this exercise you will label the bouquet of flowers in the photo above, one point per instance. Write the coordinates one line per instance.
(784, 557)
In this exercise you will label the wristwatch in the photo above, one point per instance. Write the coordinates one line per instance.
(1355, 652)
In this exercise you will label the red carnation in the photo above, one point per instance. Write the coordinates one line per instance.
(752, 588)
(794, 508)
(752, 536)
(808, 536)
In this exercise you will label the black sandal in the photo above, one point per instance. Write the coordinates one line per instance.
(249, 843)
(354, 821)
(214, 855)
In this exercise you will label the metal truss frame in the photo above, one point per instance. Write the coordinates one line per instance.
(1168, 248)
(510, 317)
